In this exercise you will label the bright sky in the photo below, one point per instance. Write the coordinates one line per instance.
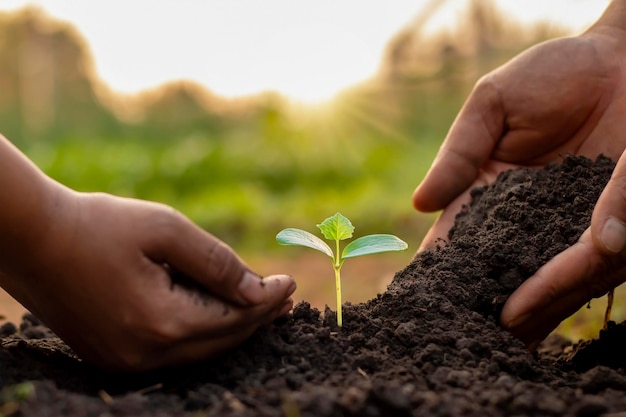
(305, 49)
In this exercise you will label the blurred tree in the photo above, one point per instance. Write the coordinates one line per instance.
(244, 168)
(178, 109)
(431, 74)
(46, 78)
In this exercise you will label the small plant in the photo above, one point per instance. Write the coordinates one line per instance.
(337, 228)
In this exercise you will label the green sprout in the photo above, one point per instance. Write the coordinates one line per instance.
(337, 228)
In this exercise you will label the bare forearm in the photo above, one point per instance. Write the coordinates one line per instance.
(26, 205)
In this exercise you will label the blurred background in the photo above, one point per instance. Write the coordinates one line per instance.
(249, 117)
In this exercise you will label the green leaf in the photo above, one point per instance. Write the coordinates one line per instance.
(299, 237)
(373, 244)
(336, 227)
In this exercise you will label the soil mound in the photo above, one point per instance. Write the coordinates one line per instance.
(428, 346)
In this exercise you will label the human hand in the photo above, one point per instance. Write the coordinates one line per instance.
(565, 96)
(562, 97)
(588, 269)
(102, 280)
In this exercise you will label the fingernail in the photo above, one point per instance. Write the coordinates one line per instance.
(613, 235)
(280, 281)
(251, 288)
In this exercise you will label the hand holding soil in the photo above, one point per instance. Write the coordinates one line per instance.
(563, 97)
(590, 268)
(128, 284)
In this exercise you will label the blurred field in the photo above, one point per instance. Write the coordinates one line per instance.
(10, 310)
(246, 168)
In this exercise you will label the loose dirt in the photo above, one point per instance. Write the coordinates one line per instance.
(427, 346)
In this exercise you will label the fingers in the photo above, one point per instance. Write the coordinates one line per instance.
(206, 260)
(469, 143)
(608, 222)
(195, 329)
(439, 230)
(194, 317)
(174, 325)
(200, 349)
(590, 268)
(196, 350)
(559, 289)
(444, 223)
(211, 345)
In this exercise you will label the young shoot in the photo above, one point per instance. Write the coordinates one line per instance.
(337, 228)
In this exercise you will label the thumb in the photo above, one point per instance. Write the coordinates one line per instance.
(469, 143)
(608, 222)
(588, 269)
(210, 263)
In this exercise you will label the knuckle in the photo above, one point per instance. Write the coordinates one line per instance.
(133, 360)
(617, 184)
(599, 282)
(598, 288)
(129, 354)
(485, 82)
(486, 86)
(162, 333)
(149, 334)
(166, 220)
(222, 261)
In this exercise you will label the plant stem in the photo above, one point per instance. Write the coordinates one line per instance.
(337, 268)
(338, 289)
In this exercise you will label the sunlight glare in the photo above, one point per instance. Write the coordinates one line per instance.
(311, 63)
(305, 50)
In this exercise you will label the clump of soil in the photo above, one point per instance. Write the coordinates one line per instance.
(428, 346)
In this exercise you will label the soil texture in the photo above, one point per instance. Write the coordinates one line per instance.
(428, 346)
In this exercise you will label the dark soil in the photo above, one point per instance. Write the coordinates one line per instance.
(428, 346)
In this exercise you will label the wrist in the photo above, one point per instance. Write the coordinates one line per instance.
(30, 206)
(612, 23)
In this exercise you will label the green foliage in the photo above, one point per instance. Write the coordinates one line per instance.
(338, 228)
(292, 236)
(243, 168)
(372, 244)
(240, 186)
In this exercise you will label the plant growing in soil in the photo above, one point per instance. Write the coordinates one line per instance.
(337, 228)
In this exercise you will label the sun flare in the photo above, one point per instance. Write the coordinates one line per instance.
(307, 51)
(310, 63)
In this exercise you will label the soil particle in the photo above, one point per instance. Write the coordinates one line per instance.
(428, 346)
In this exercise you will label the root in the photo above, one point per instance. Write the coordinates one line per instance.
(609, 306)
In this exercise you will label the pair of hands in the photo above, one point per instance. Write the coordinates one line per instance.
(100, 275)
(566, 96)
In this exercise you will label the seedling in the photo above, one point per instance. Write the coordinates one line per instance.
(338, 228)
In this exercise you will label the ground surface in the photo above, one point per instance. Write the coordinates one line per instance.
(428, 346)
